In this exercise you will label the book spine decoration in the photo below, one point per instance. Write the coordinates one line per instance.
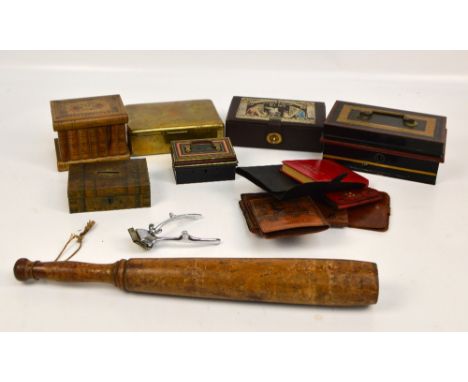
(83, 143)
(93, 143)
(73, 144)
(102, 141)
(114, 141)
(63, 145)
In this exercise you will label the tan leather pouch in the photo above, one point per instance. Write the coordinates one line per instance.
(336, 218)
(270, 217)
(375, 216)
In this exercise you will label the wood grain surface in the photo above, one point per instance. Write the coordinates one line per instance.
(290, 281)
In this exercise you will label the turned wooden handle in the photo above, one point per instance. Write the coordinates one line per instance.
(289, 281)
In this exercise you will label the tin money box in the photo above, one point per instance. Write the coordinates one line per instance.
(103, 186)
(392, 142)
(203, 160)
(276, 123)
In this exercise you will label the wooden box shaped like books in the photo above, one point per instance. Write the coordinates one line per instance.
(103, 186)
(89, 130)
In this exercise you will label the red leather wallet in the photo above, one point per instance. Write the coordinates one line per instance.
(321, 170)
(352, 198)
(372, 216)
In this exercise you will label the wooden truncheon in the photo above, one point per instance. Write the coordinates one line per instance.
(288, 281)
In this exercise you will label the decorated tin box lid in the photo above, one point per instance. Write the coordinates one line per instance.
(148, 117)
(112, 178)
(276, 111)
(400, 130)
(203, 151)
(81, 113)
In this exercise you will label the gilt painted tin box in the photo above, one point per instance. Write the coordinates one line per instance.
(276, 123)
(203, 160)
(392, 142)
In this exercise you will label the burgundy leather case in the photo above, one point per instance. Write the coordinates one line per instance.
(372, 216)
(352, 198)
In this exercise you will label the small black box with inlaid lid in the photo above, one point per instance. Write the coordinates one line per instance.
(203, 160)
(392, 142)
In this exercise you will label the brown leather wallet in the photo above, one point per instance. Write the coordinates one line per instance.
(373, 216)
(336, 218)
(271, 218)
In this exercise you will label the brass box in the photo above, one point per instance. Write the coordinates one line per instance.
(152, 126)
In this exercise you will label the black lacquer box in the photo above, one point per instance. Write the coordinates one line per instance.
(203, 160)
(276, 123)
(391, 142)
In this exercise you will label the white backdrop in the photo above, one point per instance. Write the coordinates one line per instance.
(422, 258)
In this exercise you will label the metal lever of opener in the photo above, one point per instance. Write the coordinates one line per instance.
(147, 238)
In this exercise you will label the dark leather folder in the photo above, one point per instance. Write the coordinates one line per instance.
(283, 187)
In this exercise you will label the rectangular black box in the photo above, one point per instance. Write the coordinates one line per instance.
(275, 123)
(391, 142)
(203, 160)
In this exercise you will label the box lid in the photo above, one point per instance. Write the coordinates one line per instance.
(393, 129)
(202, 151)
(81, 113)
(277, 112)
(100, 179)
(150, 117)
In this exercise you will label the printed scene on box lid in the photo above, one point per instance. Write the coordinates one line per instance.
(265, 109)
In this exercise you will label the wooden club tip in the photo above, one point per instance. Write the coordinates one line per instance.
(23, 269)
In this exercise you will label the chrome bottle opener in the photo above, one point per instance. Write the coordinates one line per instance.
(147, 238)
